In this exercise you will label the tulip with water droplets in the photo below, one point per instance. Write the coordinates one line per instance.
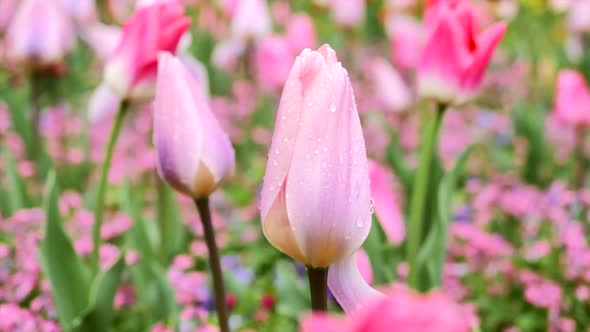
(194, 155)
(316, 190)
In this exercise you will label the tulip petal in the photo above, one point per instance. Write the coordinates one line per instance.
(319, 322)
(329, 169)
(348, 286)
(486, 44)
(386, 204)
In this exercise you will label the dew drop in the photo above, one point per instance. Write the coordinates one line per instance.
(372, 206)
(275, 162)
(332, 108)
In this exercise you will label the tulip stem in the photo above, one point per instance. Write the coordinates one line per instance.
(102, 184)
(419, 194)
(35, 114)
(318, 287)
(214, 263)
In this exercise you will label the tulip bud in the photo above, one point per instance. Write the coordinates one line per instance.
(194, 154)
(301, 33)
(39, 35)
(131, 69)
(348, 13)
(455, 55)
(315, 201)
(572, 99)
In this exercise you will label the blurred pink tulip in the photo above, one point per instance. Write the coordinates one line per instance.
(572, 99)
(227, 53)
(578, 19)
(391, 92)
(251, 19)
(315, 201)
(348, 13)
(407, 38)
(386, 204)
(455, 56)
(103, 39)
(103, 103)
(131, 69)
(7, 10)
(273, 59)
(82, 11)
(400, 311)
(40, 34)
(194, 154)
(301, 33)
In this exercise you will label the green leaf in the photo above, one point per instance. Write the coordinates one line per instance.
(68, 278)
(99, 313)
(18, 197)
(171, 228)
(395, 158)
(433, 252)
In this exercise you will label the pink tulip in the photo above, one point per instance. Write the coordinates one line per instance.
(7, 10)
(273, 59)
(572, 99)
(386, 204)
(40, 34)
(391, 92)
(348, 13)
(131, 69)
(251, 19)
(103, 39)
(455, 55)
(578, 19)
(301, 33)
(82, 11)
(315, 201)
(194, 154)
(103, 104)
(227, 53)
(400, 311)
(406, 41)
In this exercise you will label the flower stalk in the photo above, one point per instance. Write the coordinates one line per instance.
(318, 287)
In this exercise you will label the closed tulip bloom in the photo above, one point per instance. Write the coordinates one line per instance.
(40, 34)
(131, 69)
(251, 19)
(194, 154)
(572, 99)
(391, 92)
(315, 201)
(456, 54)
(348, 13)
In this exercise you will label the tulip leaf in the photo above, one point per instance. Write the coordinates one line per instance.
(99, 313)
(18, 196)
(61, 265)
(171, 228)
(149, 279)
(395, 158)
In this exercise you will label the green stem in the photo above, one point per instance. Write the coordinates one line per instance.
(102, 184)
(35, 114)
(162, 202)
(214, 263)
(419, 194)
(318, 287)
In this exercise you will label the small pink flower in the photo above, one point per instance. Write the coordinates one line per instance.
(456, 54)
(301, 33)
